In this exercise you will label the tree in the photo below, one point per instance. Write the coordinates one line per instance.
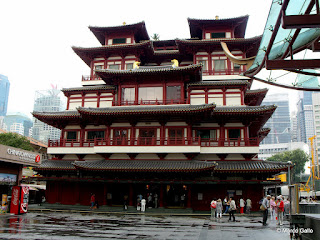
(298, 157)
(15, 140)
(155, 37)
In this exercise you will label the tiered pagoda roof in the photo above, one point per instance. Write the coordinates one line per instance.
(241, 166)
(139, 30)
(88, 54)
(197, 25)
(259, 114)
(255, 97)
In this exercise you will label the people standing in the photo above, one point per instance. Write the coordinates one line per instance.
(248, 206)
(143, 205)
(280, 208)
(213, 206)
(264, 207)
(227, 204)
(219, 208)
(242, 204)
(273, 207)
(287, 207)
(92, 200)
(232, 209)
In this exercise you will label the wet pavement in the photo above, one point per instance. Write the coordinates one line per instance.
(74, 226)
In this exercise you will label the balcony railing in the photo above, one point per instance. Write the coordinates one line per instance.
(153, 141)
(222, 72)
(91, 78)
(150, 102)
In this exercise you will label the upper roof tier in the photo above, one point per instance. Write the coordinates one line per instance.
(137, 29)
(238, 25)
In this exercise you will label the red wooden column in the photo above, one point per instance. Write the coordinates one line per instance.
(81, 136)
(189, 197)
(222, 134)
(224, 96)
(68, 102)
(105, 194)
(77, 193)
(133, 132)
(189, 133)
(130, 194)
(162, 132)
(161, 196)
(246, 135)
(107, 134)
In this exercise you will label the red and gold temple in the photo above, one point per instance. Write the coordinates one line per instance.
(168, 118)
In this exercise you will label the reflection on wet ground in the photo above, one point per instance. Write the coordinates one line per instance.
(62, 226)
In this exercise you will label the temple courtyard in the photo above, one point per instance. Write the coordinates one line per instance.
(63, 226)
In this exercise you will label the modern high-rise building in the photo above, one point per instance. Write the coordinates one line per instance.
(305, 125)
(316, 121)
(46, 101)
(17, 122)
(279, 123)
(4, 94)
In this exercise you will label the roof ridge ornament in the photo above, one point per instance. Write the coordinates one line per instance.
(175, 63)
(136, 65)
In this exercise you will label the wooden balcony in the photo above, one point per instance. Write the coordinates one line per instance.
(150, 102)
(91, 78)
(222, 72)
(153, 141)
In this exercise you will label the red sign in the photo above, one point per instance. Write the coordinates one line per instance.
(24, 200)
(14, 206)
(37, 159)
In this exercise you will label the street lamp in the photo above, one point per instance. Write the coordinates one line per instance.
(289, 174)
(289, 183)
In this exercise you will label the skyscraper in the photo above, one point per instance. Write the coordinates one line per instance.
(4, 94)
(305, 124)
(17, 122)
(46, 101)
(279, 123)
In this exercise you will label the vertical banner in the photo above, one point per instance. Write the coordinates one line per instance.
(15, 200)
(24, 199)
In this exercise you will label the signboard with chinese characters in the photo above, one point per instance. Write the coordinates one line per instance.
(16, 155)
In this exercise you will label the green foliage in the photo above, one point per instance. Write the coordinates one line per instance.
(297, 157)
(15, 140)
(155, 37)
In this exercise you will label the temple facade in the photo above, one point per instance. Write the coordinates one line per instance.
(170, 119)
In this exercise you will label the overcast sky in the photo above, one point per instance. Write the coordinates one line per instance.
(37, 35)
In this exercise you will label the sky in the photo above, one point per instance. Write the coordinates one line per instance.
(37, 35)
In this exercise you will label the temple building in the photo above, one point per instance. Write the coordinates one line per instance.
(171, 119)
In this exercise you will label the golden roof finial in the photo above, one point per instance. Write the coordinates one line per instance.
(217, 17)
(124, 23)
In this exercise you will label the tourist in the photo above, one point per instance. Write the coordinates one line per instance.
(242, 204)
(143, 205)
(219, 208)
(232, 209)
(248, 206)
(264, 207)
(92, 201)
(273, 207)
(280, 208)
(287, 207)
(213, 206)
(225, 202)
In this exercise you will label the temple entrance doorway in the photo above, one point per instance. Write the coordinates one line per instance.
(176, 196)
(118, 194)
(150, 192)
